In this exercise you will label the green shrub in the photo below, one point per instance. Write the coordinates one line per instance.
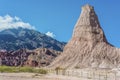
(41, 71)
(6, 69)
(22, 69)
(26, 69)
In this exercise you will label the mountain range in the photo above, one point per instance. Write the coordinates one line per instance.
(14, 39)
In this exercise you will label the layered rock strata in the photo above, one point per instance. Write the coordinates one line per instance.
(23, 57)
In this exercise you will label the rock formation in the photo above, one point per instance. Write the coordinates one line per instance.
(88, 46)
(42, 57)
(24, 57)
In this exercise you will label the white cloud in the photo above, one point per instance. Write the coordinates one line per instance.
(50, 34)
(8, 22)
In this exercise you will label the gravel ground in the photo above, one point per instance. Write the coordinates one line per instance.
(32, 76)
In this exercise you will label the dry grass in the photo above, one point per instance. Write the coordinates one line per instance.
(10, 69)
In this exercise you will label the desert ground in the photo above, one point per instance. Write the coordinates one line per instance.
(33, 76)
(69, 75)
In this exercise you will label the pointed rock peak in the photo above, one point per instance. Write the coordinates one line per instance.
(88, 16)
(88, 27)
(87, 7)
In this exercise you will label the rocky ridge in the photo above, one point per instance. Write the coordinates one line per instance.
(23, 57)
(14, 39)
(88, 47)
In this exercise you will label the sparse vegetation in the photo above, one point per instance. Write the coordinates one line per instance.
(57, 69)
(77, 67)
(22, 69)
(41, 71)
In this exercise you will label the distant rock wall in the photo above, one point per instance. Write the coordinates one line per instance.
(23, 57)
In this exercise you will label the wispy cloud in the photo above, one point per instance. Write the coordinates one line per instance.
(50, 34)
(8, 22)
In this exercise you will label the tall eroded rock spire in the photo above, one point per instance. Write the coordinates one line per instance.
(88, 46)
(88, 27)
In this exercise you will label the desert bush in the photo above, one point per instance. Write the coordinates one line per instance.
(22, 69)
(7, 69)
(26, 69)
(41, 71)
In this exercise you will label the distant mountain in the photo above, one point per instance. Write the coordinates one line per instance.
(14, 39)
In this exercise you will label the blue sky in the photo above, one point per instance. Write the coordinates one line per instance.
(60, 16)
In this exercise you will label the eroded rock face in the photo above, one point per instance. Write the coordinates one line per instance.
(88, 46)
(23, 57)
(42, 57)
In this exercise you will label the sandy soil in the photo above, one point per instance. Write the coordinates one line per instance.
(33, 76)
